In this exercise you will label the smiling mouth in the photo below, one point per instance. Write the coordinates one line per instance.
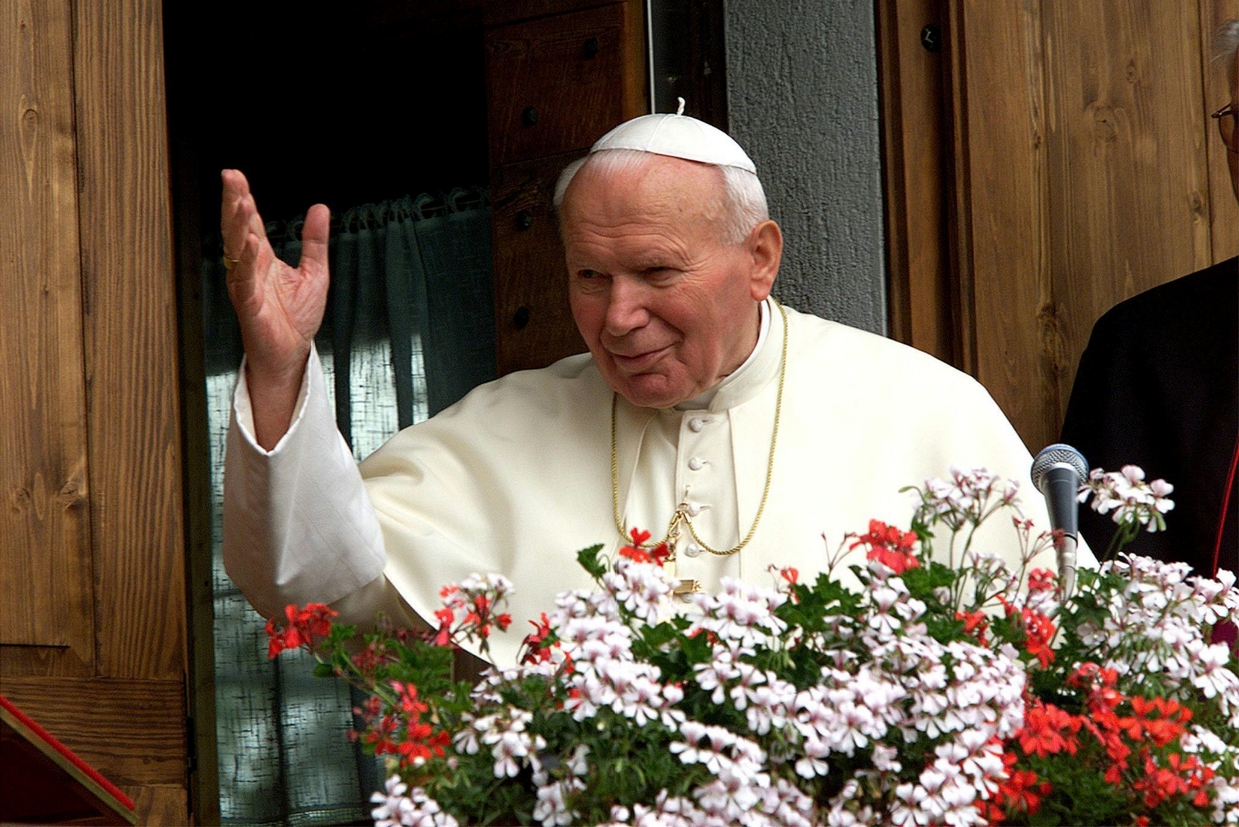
(638, 362)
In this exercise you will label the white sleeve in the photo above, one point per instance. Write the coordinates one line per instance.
(298, 524)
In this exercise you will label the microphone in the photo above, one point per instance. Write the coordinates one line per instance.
(1058, 472)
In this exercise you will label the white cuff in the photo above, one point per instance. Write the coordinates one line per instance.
(298, 524)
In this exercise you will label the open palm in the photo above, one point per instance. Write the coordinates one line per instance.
(280, 307)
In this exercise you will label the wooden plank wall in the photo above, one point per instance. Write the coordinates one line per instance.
(92, 629)
(1079, 166)
(1128, 201)
(1001, 203)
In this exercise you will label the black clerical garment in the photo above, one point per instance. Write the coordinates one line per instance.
(1158, 386)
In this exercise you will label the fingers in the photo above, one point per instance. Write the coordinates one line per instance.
(314, 235)
(239, 221)
(232, 218)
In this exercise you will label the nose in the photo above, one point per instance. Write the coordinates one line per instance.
(626, 307)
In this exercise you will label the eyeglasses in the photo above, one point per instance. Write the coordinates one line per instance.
(1226, 117)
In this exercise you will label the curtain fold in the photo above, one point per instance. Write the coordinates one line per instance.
(460, 340)
(408, 331)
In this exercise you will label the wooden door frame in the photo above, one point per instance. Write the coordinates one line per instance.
(923, 296)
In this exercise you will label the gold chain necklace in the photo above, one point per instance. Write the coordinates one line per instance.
(682, 518)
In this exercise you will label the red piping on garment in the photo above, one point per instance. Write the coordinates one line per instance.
(1221, 523)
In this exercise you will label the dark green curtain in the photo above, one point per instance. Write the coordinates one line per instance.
(408, 331)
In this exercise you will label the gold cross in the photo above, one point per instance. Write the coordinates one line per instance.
(680, 518)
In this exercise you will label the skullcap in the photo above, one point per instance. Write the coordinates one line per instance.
(677, 136)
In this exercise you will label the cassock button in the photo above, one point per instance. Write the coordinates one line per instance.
(696, 424)
(692, 550)
(695, 464)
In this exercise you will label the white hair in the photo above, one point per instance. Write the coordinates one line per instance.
(742, 206)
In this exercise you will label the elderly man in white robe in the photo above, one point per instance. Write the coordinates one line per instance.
(750, 433)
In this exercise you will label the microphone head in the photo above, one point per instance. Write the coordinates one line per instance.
(1058, 455)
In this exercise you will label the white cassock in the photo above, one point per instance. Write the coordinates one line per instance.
(516, 477)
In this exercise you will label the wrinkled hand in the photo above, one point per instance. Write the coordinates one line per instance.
(280, 308)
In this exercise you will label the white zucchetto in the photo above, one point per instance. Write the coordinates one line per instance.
(678, 136)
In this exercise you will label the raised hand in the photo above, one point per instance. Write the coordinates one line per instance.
(280, 308)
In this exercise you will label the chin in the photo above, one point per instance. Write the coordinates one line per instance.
(639, 391)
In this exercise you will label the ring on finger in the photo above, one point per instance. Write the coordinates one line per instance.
(230, 262)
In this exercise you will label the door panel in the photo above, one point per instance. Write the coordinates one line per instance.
(92, 627)
(1079, 165)
(46, 617)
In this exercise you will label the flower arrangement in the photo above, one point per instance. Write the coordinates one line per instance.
(937, 694)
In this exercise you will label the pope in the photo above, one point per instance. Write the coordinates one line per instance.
(746, 434)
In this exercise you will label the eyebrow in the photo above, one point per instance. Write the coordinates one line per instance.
(665, 258)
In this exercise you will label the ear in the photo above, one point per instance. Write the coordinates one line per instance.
(765, 249)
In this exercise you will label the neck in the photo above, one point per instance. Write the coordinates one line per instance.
(703, 399)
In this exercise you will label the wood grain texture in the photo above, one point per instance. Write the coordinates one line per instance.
(634, 78)
(131, 731)
(543, 64)
(89, 394)
(1081, 176)
(1223, 206)
(1129, 202)
(548, 91)
(131, 339)
(161, 805)
(1003, 177)
(533, 322)
(920, 304)
(52, 662)
(45, 565)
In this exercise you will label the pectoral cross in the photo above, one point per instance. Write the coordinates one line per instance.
(674, 535)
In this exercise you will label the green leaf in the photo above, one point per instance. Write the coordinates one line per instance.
(588, 558)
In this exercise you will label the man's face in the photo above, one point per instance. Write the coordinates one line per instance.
(665, 306)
